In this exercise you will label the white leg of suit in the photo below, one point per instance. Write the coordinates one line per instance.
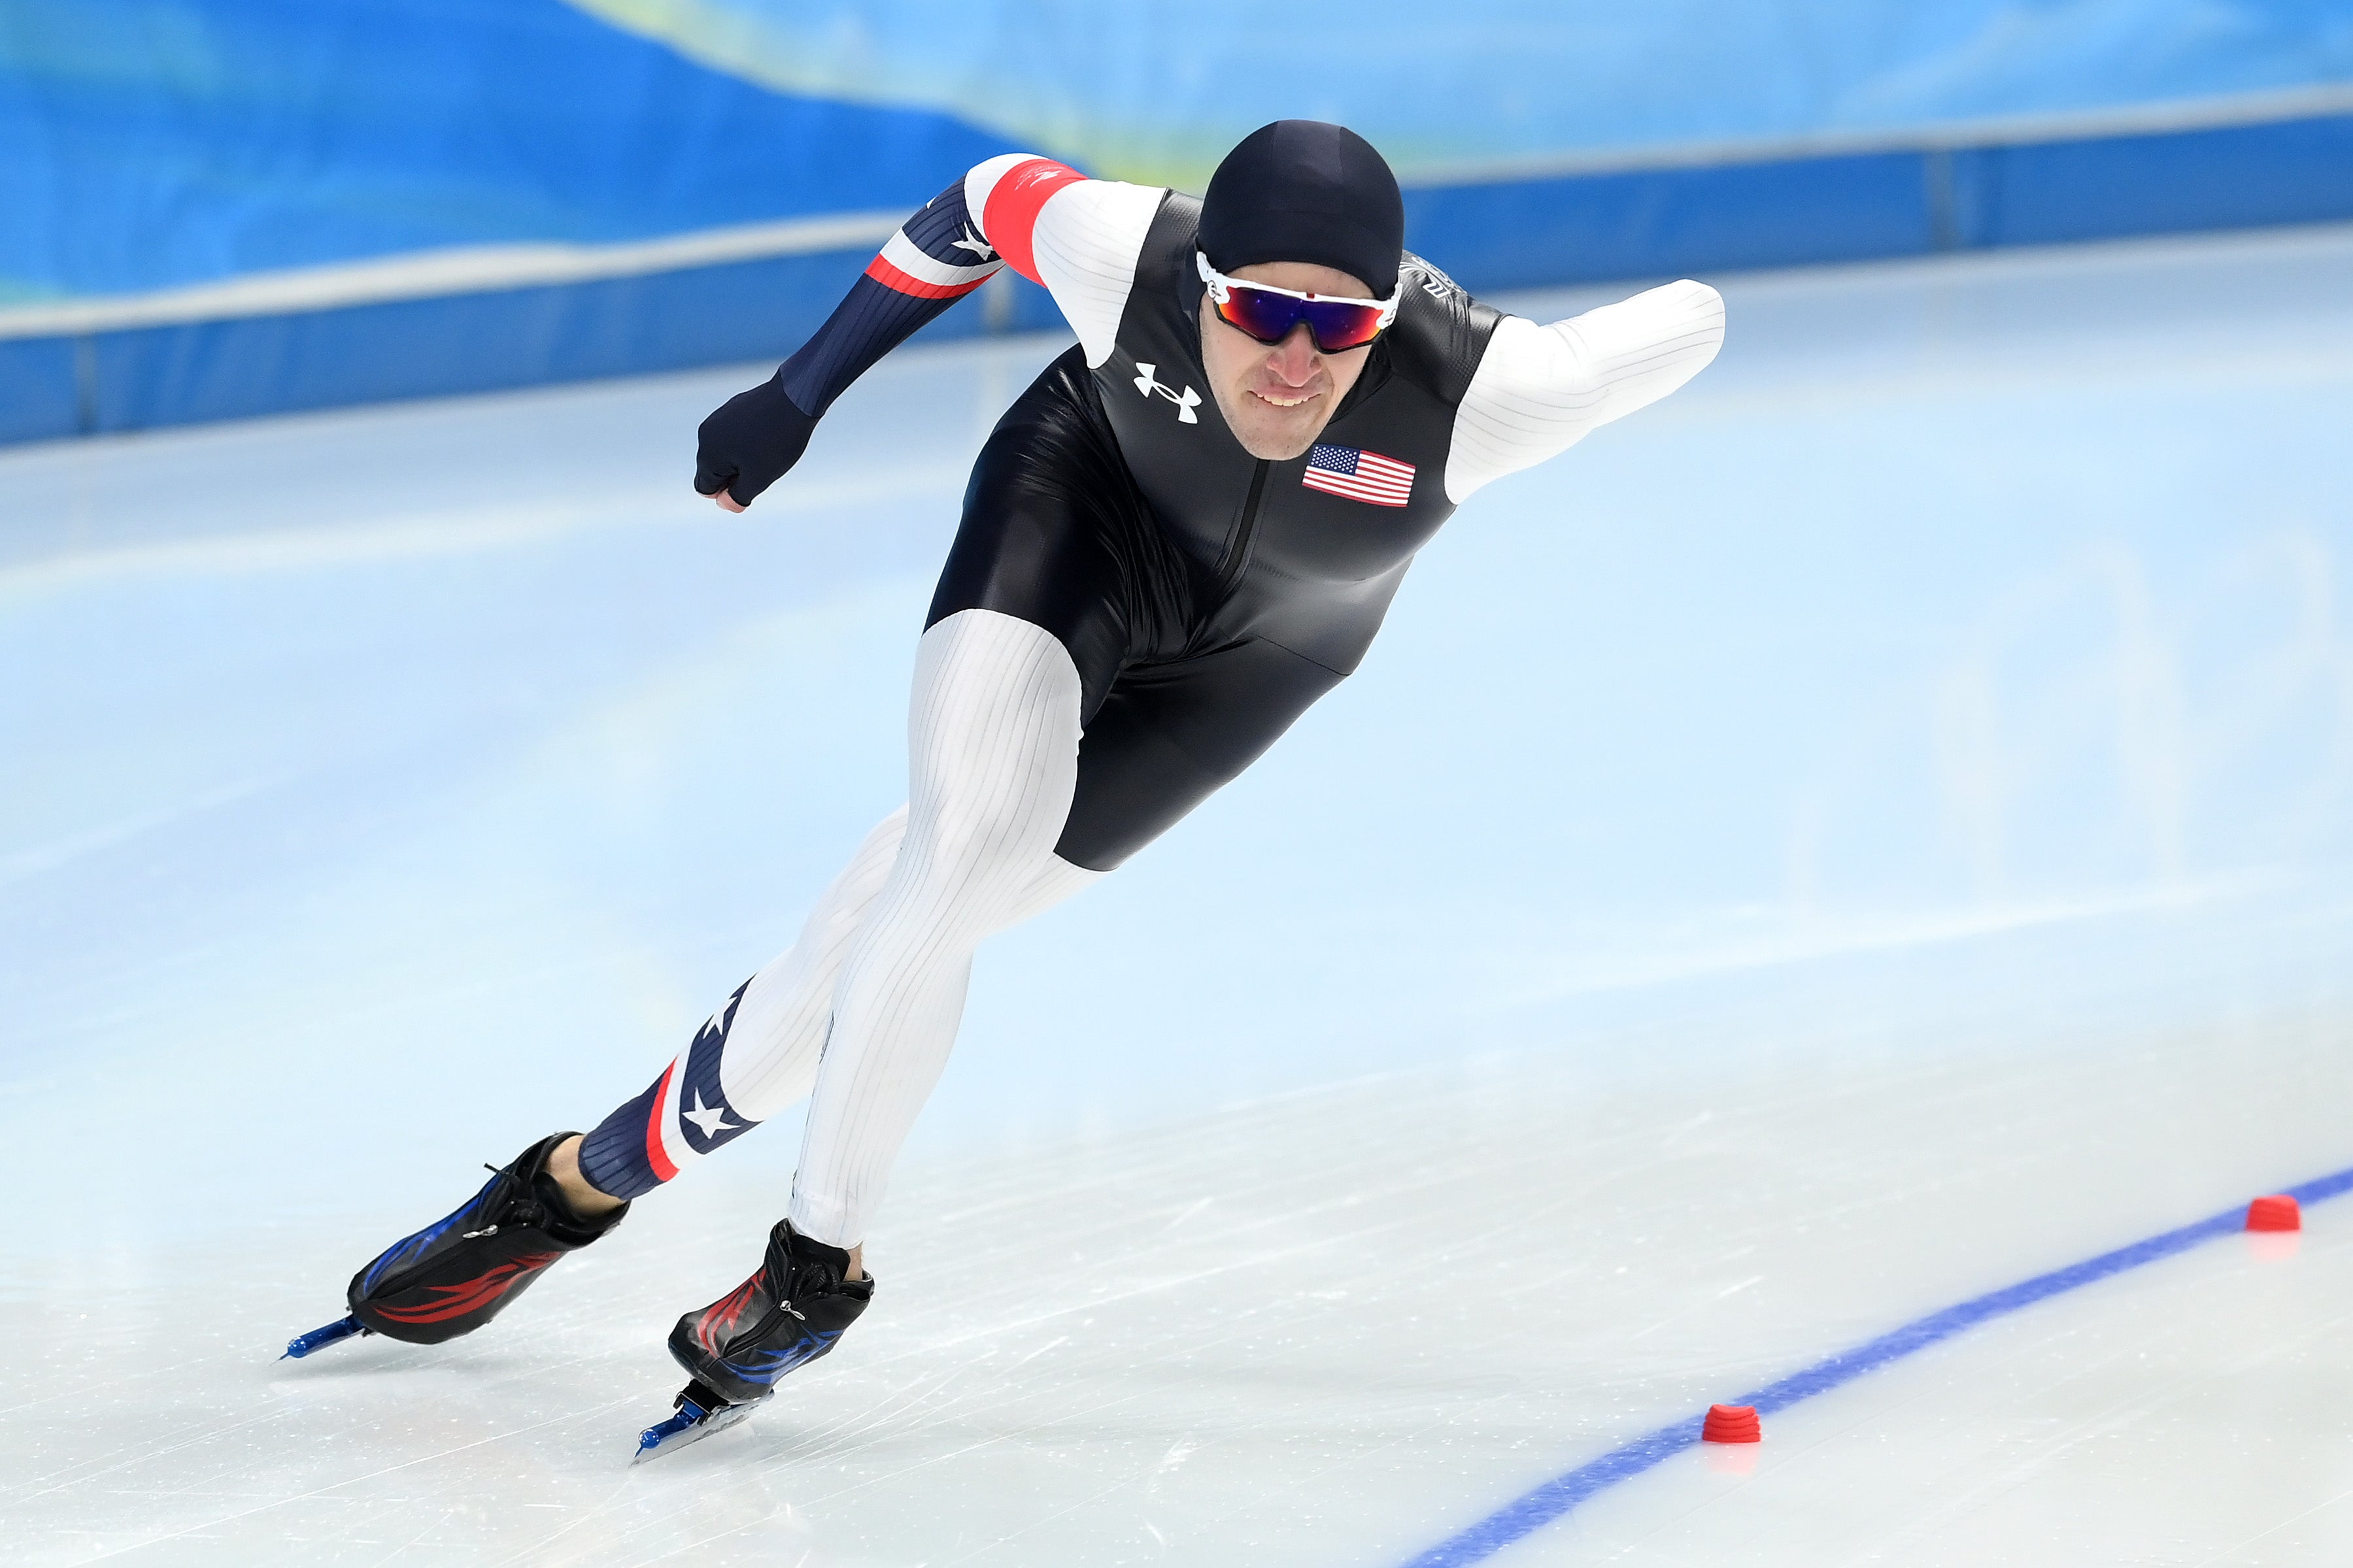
(992, 749)
(995, 745)
(779, 1027)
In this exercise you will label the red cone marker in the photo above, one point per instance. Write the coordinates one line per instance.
(1731, 1423)
(2276, 1213)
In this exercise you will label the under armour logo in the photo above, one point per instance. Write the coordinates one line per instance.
(1185, 402)
(974, 243)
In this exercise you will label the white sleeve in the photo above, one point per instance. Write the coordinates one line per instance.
(1083, 243)
(1538, 389)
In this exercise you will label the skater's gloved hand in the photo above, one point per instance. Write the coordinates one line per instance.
(748, 443)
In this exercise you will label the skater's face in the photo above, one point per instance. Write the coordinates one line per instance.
(1278, 397)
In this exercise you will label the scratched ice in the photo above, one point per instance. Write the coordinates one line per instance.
(1869, 831)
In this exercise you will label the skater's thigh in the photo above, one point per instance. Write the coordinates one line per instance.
(1054, 533)
(1167, 736)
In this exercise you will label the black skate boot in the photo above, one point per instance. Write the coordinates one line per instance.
(787, 1314)
(460, 1271)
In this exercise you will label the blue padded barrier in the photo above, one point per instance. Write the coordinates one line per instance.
(1648, 223)
(40, 396)
(2296, 171)
(1520, 233)
(143, 377)
(470, 343)
(1644, 222)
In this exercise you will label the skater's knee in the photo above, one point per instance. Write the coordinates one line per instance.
(988, 846)
(881, 842)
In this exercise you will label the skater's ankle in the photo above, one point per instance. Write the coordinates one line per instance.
(853, 1268)
(587, 1200)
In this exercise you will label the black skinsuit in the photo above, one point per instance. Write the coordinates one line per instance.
(1207, 597)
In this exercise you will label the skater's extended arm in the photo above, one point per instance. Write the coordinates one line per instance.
(1539, 389)
(935, 259)
(1077, 237)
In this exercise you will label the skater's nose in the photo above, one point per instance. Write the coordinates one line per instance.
(1293, 359)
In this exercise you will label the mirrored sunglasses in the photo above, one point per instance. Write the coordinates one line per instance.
(1267, 314)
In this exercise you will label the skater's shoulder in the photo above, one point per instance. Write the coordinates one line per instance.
(1016, 194)
(1441, 331)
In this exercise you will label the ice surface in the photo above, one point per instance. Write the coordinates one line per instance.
(1870, 829)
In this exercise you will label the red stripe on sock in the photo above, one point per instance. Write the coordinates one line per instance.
(663, 1169)
(1011, 215)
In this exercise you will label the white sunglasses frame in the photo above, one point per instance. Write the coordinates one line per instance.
(1219, 284)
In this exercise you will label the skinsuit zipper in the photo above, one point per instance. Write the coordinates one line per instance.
(1239, 558)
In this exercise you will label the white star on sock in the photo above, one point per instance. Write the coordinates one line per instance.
(711, 1120)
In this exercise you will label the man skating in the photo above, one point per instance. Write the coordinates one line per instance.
(1186, 530)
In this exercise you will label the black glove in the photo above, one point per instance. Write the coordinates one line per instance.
(749, 441)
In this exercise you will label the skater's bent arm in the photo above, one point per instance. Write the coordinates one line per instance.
(1539, 389)
(935, 259)
(1077, 237)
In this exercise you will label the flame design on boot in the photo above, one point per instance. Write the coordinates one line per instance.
(789, 1312)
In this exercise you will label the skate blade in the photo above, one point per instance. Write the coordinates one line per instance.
(693, 1424)
(301, 1346)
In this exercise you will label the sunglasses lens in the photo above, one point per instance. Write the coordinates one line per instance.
(1268, 318)
(1337, 328)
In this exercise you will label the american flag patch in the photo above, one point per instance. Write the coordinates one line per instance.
(1359, 476)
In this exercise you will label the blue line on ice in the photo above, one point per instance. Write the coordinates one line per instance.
(1536, 1508)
